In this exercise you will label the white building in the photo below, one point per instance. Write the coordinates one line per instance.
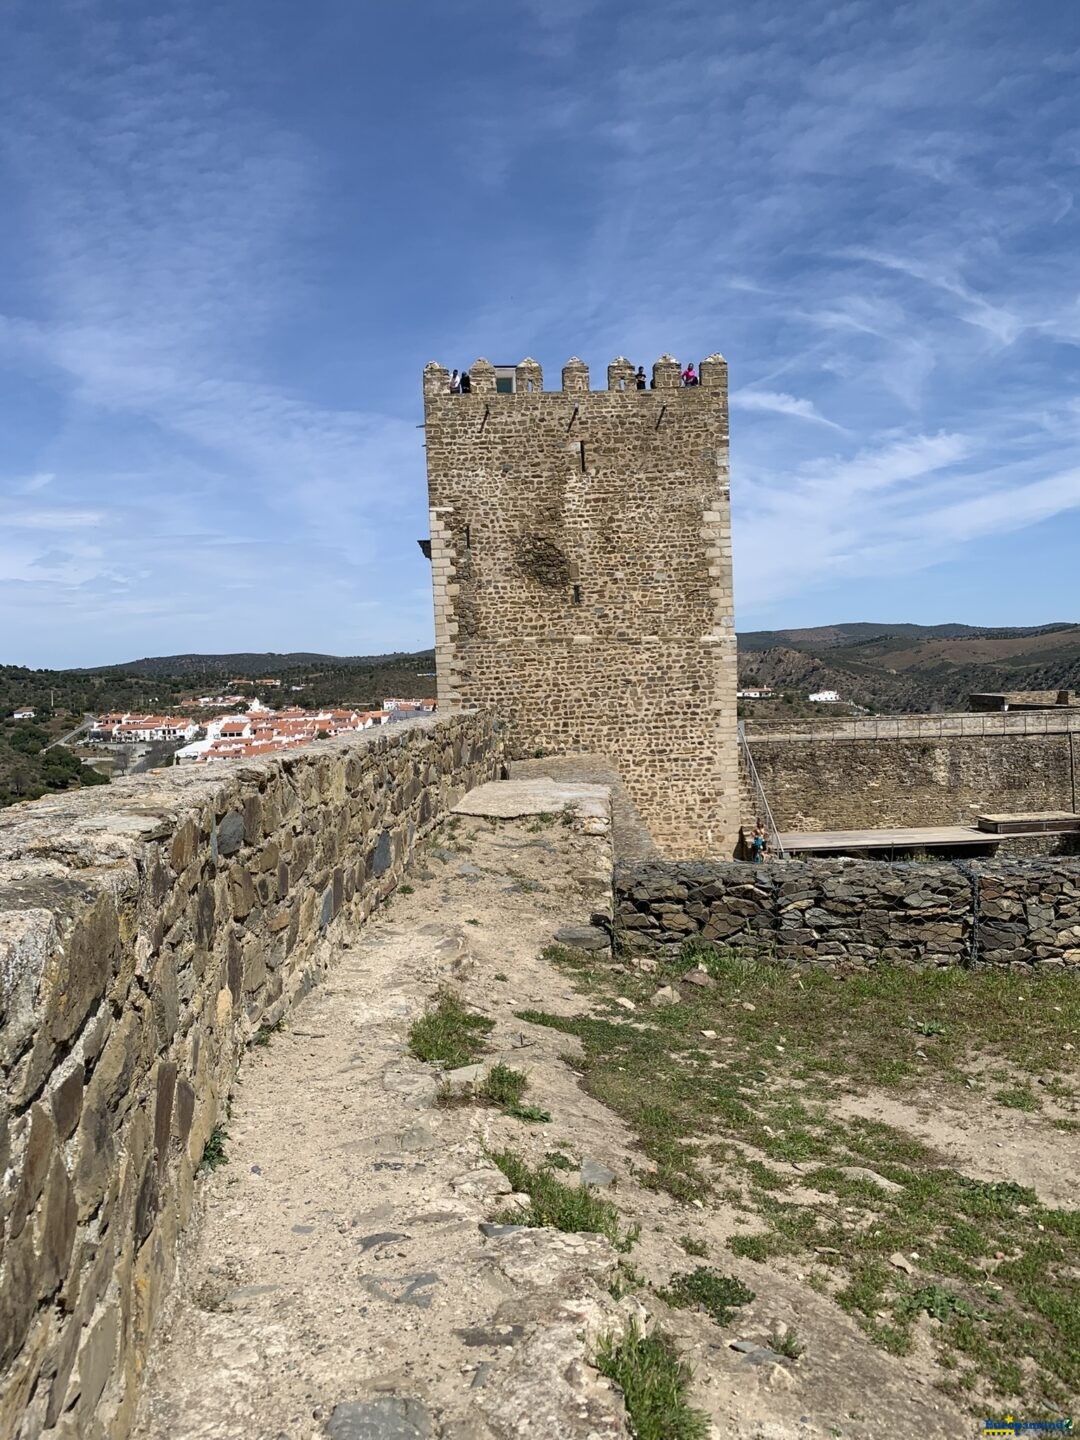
(188, 754)
(24, 714)
(825, 697)
(148, 728)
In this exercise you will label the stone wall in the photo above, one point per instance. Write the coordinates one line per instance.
(581, 559)
(876, 779)
(852, 912)
(146, 932)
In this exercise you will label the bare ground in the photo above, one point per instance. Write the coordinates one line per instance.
(339, 1258)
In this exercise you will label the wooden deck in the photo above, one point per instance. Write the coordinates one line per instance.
(934, 837)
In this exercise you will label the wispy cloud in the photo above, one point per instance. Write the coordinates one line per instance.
(235, 233)
(779, 403)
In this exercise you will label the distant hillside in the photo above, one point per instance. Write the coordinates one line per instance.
(889, 668)
(907, 668)
(863, 632)
(31, 763)
(249, 664)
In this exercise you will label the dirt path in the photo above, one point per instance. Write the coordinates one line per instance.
(341, 1281)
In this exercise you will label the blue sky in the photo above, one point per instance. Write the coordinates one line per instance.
(235, 230)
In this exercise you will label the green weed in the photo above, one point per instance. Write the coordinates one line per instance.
(1017, 1097)
(693, 1246)
(555, 1204)
(531, 1114)
(705, 1289)
(786, 1342)
(264, 1033)
(214, 1150)
(654, 1382)
(503, 1085)
(448, 1033)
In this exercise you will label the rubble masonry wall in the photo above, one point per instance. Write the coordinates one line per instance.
(146, 932)
(1021, 913)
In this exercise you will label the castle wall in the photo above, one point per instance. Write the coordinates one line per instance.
(882, 780)
(146, 933)
(581, 555)
(1021, 914)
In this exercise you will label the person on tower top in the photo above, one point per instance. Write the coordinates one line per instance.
(688, 375)
(639, 378)
(455, 383)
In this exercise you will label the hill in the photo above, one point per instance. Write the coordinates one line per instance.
(909, 668)
(31, 762)
(887, 668)
(249, 663)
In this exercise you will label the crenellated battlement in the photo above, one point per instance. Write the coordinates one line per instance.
(527, 377)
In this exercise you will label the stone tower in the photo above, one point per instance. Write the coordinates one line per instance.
(581, 555)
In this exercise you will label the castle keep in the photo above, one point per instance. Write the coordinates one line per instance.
(581, 555)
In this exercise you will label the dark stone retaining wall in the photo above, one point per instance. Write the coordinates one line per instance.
(851, 912)
(146, 932)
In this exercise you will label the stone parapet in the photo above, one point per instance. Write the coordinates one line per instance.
(848, 912)
(146, 934)
(840, 782)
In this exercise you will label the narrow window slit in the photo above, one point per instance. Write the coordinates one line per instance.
(581, 443)
(577, 594)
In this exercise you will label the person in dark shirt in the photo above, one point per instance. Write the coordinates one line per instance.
(639, 378)
(466, 383)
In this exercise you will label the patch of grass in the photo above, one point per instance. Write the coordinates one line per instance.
(264, 1033)
(751, 1247)
(995, 1196)
(654, 1382)
(475, 922)
(531, 1114)
(1017, 1097)
(503, 1085)
(213, 1153)
(693, 1246)
(448, 1033)
(937, 1302)
(760, 1096)
(706, 1289)
(628, 1280)
(500, 976)
(786, 1342)
(558, 1161)
(405, 890)
(555, 1204)
(541, 821)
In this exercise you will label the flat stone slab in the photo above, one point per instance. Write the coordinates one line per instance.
(511, 799)
(388, 1418)
(584, 937)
